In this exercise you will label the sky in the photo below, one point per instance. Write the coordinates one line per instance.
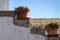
(38, 8)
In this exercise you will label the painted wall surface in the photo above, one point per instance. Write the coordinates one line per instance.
(9, 31)
(4, 5)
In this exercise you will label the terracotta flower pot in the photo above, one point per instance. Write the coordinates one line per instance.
(52, 33)
(52, 30)
(22, 16)
(21, 13)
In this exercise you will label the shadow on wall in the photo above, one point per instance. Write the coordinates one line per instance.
(38, 30)
(21, 23)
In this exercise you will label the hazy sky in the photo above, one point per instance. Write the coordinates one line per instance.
(39, 8)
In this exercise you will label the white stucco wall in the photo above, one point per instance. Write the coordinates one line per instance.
(9, 31)
(4, 5)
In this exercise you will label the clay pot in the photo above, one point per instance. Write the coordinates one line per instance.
(22, 16)
(51, 32)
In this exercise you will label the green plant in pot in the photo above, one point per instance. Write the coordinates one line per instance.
(21, 12)
(52, 29)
